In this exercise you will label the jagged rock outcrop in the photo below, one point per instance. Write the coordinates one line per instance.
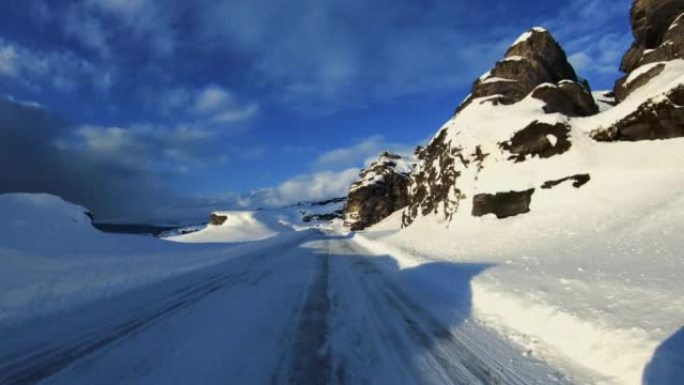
(653, 58)
(567, 97)
(381, 189)
(658, 33)
(516, 112)
(661, 118)
(534, 59)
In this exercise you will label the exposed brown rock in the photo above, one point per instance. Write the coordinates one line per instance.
(503, 204)
(431, 185)
(536, 140)
(568, 98)
(622, 90)
(534, 61)
(217, 220)
(661, 119)
(380, 191)
(578, 181)
(651, 21)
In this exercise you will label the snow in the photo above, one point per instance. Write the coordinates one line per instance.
(525, 36)
(240, 226)
(640, 71)
(496, 79)
(593, 274)
(52, 259)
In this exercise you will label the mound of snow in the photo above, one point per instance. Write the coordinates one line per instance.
(239, 226)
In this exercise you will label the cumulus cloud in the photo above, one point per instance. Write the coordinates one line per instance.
(301, 188)
(359, 153)
(211, 104)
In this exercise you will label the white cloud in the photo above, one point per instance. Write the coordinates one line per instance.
(211, 104)
(154, 146)
(87, 29)
(212, 98)
(144, 20)
(359, 153)
(8, 61)
(310, 187)
(62, 70)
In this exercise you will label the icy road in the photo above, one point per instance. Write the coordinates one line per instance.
(320, 310)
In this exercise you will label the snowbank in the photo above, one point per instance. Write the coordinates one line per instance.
(239, 226)
(52, 259)
(591, 274)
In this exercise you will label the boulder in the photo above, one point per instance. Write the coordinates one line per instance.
(217, 220)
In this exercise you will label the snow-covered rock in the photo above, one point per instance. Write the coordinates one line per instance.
(505, 141)
(381, 189)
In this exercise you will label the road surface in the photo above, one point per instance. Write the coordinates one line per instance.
(320, 311)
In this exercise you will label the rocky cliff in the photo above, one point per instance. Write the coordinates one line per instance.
(381, 189)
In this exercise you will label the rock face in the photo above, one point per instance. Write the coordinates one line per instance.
(658, 33)
(503, 204)
(656, 119)
(658, 27)
(381, 189)
(534, 59)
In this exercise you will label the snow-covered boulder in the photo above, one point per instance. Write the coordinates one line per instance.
(381, 189)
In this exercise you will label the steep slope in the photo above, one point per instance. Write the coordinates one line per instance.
(381, 189)
(517, 115)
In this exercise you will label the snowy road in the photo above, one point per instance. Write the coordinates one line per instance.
(320, 311)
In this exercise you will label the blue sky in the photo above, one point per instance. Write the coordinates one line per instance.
(162, 109)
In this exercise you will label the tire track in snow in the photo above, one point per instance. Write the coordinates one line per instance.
(35, 363)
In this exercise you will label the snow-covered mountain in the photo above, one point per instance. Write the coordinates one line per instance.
(572, 197)
(531, 124)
